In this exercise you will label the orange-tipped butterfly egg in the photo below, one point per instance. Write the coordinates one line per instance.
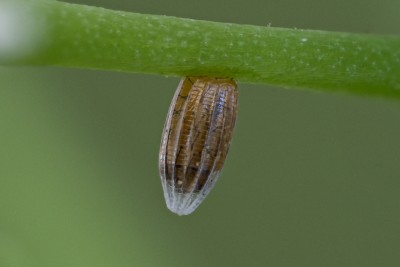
(196, 139)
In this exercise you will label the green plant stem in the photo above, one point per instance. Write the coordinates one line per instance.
(95, 38)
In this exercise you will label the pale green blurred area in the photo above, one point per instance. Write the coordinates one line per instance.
(311, 179)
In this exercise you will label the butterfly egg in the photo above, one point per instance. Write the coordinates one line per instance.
(196, 139)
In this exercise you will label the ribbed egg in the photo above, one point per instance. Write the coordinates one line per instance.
(196, 139)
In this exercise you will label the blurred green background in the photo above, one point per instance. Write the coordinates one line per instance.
(311, 179)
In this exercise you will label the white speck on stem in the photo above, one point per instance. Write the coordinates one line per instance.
(21, 31)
